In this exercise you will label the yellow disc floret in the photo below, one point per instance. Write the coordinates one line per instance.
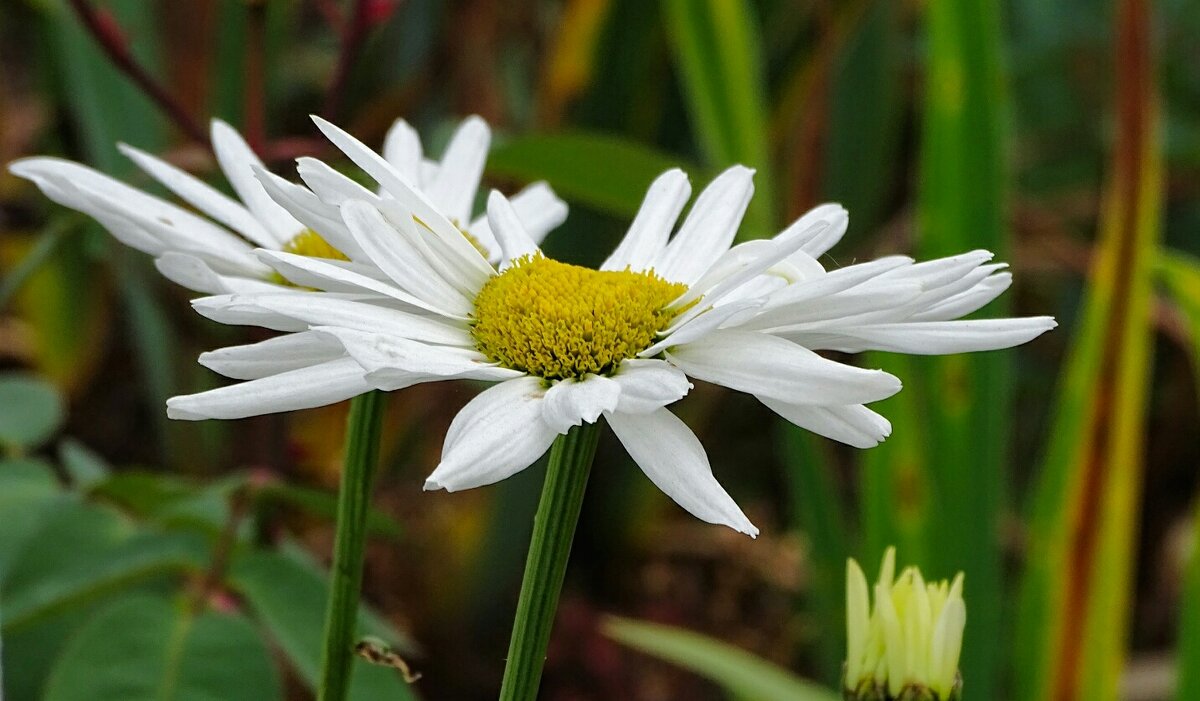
(556, 320)
(308, 243)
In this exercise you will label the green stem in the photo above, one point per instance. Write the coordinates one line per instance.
(354, 495)
(553, 530)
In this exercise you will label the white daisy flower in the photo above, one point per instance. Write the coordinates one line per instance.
(212, 251)
(568, 345)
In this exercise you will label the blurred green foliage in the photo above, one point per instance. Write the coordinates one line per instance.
(943, 126)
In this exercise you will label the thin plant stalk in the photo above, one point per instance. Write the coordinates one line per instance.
(354, 496)
(553, 530)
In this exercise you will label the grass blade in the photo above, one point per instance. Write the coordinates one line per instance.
(738, 672)
(1076, 593)
(718, 53)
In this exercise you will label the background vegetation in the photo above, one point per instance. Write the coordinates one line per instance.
(141, 558)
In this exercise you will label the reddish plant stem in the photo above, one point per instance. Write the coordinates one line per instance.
(354, 32)
(107, 35)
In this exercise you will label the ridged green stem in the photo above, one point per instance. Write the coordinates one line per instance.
(553, 529)
(354, 497)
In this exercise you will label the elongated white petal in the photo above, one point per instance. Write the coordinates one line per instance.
(321, 217)
(449, 238)
(327, 275)
(392, 362)
(195, 274)
(391, 249)
(929, 337)
(457, 180)
(402, 149)
(647, 236)
(202, 196)
(940, 271)
(699, 326)
(539, 209)
(322, 309)
(816, 241)
(767, 366)
(835, 281)
(648, 385)
(852, 424)
(223, 310)
(330, 185)
(709, 228)
(513, 239)
(292, 351)
(864, 299)
(966, 302)
(237, 162)
(672, 457)
(496, 435)
(573, 402)
(309, 387)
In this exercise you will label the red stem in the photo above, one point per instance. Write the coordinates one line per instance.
(108, 37)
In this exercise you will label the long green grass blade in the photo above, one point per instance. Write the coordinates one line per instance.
(961, 202)
(738, 672)
(1075, 598)
(718, 54)
(1188, 686)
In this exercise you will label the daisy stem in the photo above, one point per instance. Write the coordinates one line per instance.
(553, 529)
(354, 495)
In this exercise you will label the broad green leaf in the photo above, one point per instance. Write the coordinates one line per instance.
(1188, 686)
(31, 410)
(738, 672)
(27, 489)
(601, 171)
(85, 468)
(86, 551)
(288, 596)
(29, 654)
(718, 54)
(1075, 600)
(146, 648)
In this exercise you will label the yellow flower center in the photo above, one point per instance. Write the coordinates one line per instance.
(556, 320)
(308, 243)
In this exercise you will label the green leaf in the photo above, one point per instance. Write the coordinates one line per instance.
(288, 596)
(145, 648)
(737, 671)
(1074, 616)
(31, 410)
(324, 504)
(605, 172)
(85, 552)
(85, 468)
(718, 52)
(27, 489)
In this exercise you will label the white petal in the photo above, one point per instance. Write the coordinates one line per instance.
(328, 275)
(772, 367)
(195, 274)
(200, 195)
(941, 271)
(818, 240)
(647, 236)
(272, 356)
(648, 385)
(392, 362)
(967, 302)
(573, 402)
(496, 435)
(391, 249)
(833, 310)
(835, 281)
(709, 228)
(672, 457)
(701, 325)
(513, 239)
(852, 424)
(406, 193)
(939, 337)
(222, 309)
(539, 209)
(402, 149)
(304, 205)
(237, 162)
(318, 385)
(461, 167)
(322, 309)
(330, 185)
